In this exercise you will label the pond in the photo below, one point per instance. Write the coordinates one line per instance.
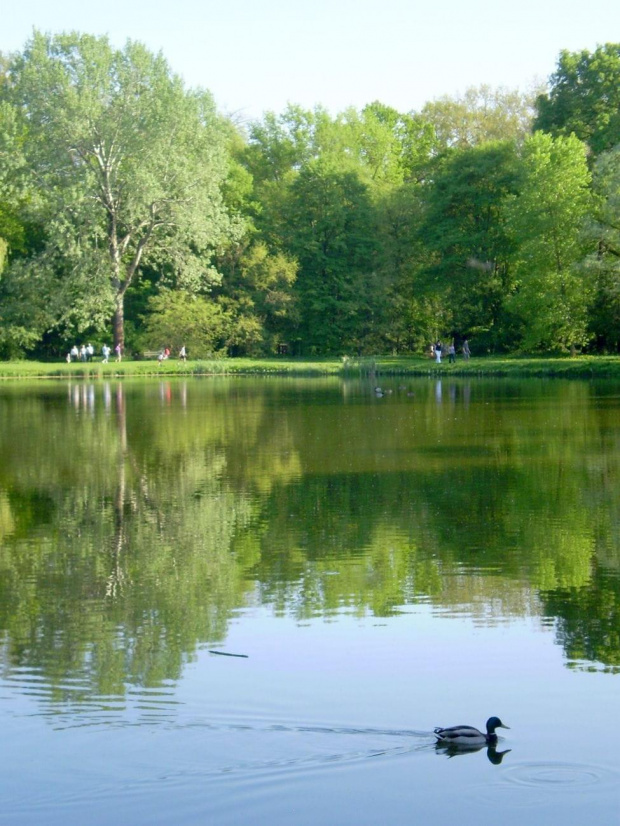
(240, 600)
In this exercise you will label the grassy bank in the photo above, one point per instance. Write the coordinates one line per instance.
(578, 367)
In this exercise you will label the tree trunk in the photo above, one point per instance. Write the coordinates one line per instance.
(118, 322)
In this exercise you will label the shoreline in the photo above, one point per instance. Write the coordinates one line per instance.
(582, 367)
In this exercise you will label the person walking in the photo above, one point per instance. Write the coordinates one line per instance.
(452, 353)
(183, 353)
(119, 352)
(105, 352)
(466, 351)
(438, 347)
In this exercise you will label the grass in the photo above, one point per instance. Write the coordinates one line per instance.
(505, 366)
(171, 367)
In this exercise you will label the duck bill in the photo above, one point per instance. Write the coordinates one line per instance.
(503, 726)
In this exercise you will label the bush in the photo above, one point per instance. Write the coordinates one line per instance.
(179, 318)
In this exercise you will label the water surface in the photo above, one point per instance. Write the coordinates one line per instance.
(380, 565)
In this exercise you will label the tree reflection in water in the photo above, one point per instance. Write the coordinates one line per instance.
(136, 519)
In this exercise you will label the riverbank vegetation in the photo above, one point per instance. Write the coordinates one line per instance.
(132, 212)
(371, 368)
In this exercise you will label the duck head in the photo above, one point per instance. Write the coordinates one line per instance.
(493, 723)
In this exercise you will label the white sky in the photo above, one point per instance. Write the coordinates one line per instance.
(257, 55)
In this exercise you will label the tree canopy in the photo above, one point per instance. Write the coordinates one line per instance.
(126, 196)
(584, 98)
(127, 167)
(547, 216)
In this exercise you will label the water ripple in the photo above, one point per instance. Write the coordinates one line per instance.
(559, 775)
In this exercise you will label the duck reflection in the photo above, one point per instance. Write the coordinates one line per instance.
(454, 750)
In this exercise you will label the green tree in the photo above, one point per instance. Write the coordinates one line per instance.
(128, 166)
(604, 263)
(179, 318)
(464, 231)
(329, 228)
(322, 183)
(11, 159)
(584, 98)
(258, 293)
(390, 147)
(552, 295)
(279, 144)
(411, 319)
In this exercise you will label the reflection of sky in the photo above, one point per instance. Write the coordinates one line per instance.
(331, 716)
(417, 670)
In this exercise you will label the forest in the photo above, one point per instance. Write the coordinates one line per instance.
(133, 212)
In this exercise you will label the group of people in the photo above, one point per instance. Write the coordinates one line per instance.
(86, 353)
(165, 354)
(438, 350)
(83, 353)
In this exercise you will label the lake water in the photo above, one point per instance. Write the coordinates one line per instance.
(378, 564)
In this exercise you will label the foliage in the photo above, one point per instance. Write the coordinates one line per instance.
(177, 318)
(603, 264)
(464, 227)
(127, 167)
(551, 295)
(12, 232)
(258, 293)
(409, 318)
(123, 194)
(481, 115)
(329, 229)
(584, 98)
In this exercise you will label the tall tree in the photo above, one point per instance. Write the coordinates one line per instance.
(329, 229)
(390, 147)
(24, 303)
(410, 319)
(279, 143)
(584, 98)
(604, 261)
(11, 227)
(464, 229)
(128, 165)
(322, 183)
(547, 217)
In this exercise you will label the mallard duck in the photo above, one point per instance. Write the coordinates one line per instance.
(468, 735)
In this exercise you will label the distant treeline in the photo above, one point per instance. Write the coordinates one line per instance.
(133, 212)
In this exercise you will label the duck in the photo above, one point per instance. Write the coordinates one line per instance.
(468, 735)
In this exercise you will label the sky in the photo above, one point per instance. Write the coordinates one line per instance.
(258, 55)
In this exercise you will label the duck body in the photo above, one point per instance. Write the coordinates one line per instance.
(468, 735)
